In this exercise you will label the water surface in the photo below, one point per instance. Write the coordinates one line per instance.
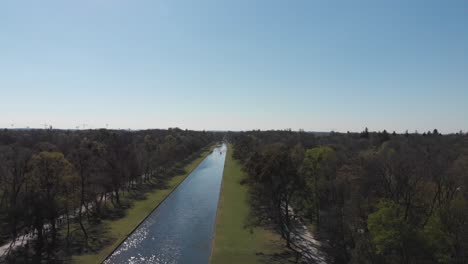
(180, 230)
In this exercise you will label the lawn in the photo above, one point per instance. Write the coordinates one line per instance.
(233, 243)
(119, 229)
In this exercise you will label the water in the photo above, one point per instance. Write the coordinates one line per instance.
(180, 230)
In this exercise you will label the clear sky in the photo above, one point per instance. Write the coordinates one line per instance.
(239, 64)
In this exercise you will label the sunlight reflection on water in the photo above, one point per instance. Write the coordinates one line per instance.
(181, 228)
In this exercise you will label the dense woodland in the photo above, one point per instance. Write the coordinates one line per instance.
(373, 197)
(60, 184)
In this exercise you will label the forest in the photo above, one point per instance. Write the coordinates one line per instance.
(372, 197)
(58, 185)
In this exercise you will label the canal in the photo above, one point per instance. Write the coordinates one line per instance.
(180, 230)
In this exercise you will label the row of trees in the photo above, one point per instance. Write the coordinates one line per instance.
(376, 197)
(48, 177)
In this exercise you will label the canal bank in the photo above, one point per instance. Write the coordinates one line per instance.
(120, 229)
(233, 241)
(180, 230)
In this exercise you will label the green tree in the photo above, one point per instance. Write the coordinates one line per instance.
(389, 231)
(316, 167)
(48, 181)
(438, 239)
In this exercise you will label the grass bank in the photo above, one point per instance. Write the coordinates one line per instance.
(233, 243)
(117, 230)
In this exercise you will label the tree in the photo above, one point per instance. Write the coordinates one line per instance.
(365, 133)
(120, 160)
(384, 136)
(438, 239)
(50, 172)
(87, 160)
(389, 229)
(316, 167)
(420, 181)
(41, 191)
(13, 168)
(275, 175)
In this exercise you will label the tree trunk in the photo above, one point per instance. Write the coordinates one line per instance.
(82, 226)
(39, 243)
(117, 197)
(68, 227)
(82, 203)
(53, 225)
(288, 226)
(317, 203)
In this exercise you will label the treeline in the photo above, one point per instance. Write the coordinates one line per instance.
(375, 197)
(50, 179)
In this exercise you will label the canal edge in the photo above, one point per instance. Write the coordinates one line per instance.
(210, 150)
(217, 207)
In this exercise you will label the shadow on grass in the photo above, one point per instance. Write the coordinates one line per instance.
(261, 216)
(98, 237)
(76, 244)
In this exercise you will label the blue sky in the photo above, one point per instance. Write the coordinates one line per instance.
(243, 64)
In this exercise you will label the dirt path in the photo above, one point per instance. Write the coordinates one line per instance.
(22, 240)
(303, 241)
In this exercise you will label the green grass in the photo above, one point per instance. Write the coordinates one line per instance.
(119, 229)
(233, 243)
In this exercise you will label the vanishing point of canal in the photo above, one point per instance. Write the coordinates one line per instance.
(181, 229)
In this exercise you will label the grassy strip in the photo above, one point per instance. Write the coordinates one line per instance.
(119, 229)
(233, 243)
